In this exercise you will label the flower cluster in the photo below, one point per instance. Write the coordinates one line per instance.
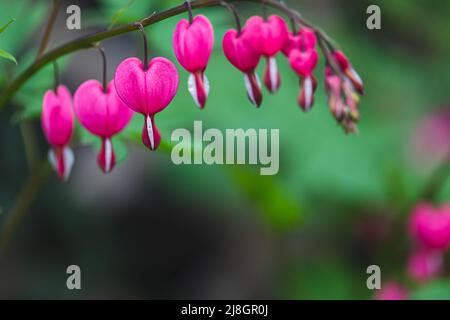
(148, 87)
(429, 228)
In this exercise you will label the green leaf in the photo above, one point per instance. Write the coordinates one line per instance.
(4, 27)
(7, 56)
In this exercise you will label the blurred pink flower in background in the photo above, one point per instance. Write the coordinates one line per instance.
(430, 227)
(391, 291)
(431, 138)
(424, 265)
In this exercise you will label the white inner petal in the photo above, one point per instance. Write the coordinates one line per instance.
(108, 155)
(206, 84)
(150, 132)
(356, 76)
(52, 159)
(273, 72)
(248, 86)
(308, 91)
(69, 160)
(193, 89)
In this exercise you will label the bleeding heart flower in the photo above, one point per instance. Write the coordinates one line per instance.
(431, 226)
(304, 40)
(242, 55)
(304, 64)
(147, 91)
(103, 114)
(424, 265)
(193, 45)
(349, 71)
(268, 37)
(58, 124)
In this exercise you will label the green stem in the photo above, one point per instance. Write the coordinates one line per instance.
(87, 41)
(49, 28)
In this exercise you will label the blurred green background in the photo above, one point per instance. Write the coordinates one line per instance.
(155, 230)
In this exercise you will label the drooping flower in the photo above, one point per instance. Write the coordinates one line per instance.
(103, 114)
(193, 45)
(425, 264)
(57, 121)
(304, 40)
(391, 291)
(268, 38)
(241, 54)
(430, 226)
(147, 90)
(349, 71)
(304, 63)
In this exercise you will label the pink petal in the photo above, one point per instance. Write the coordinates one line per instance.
(149, 91)
(303, 63)
(267, 37)
(193, 44)
(102, 114)
(57, 117)
(239, 52)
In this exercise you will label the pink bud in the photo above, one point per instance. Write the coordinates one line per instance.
(193, 45)
(392, 291)
(431, 226)
(103, 114)
(333, 88)
(58, 124)
(242, 55)
(304, 40)
(147, 91)
(349, 71)
(308, 87)
(268, 38)
(425, 265)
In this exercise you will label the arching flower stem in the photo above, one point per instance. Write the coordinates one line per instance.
(88, 41)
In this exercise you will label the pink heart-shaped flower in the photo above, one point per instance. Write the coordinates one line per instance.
(268, 37)
(239, 51)
(303, 62)
(57, 116)
(304, 40)
(193, 43)
(147, 91)
(103, 114)
(57, 121)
